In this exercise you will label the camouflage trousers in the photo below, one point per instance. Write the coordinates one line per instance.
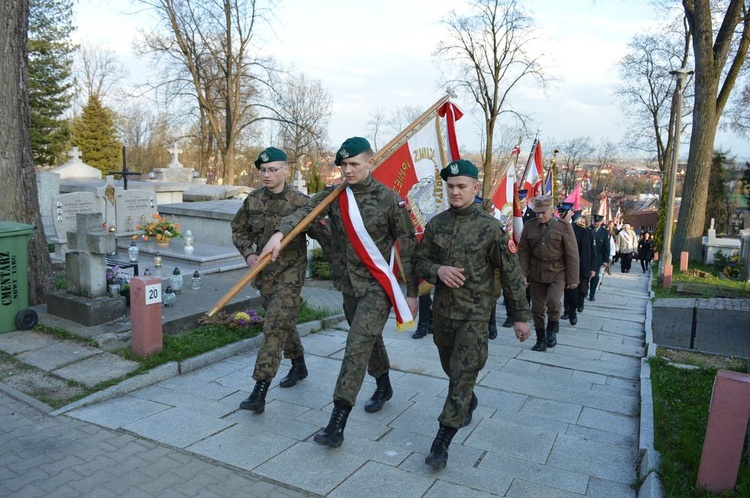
(546, 297)
(279, 331)
(365, 349)
(462, 346)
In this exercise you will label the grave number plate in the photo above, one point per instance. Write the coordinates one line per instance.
(153, 294)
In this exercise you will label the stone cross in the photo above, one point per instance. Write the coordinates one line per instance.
(75, 155)
(85, 264)
(175, 152)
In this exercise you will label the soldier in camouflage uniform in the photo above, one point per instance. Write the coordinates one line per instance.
(280, 282)
(549, 258)
(366, 304)
(460, 251)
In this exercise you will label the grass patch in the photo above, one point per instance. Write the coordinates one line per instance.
(211, 336)
(701, 281)
(682, 399)
(64, 335)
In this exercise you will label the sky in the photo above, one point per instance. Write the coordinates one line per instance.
(378, 55)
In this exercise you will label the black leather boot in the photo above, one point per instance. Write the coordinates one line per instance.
(580, 304)
(382, 393)
(333, 435)
(422, 330)
(296, 373)
(256, 402)
(508, 322)
(438, 457)
(541, 344)
(573, 316)
(470, 413)
(565, 315)
(552, 329)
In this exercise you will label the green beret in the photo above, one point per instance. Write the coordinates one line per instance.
(462, 167)
(270, 155)
(351, 147)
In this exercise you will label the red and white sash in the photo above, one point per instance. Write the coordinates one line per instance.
(368, 252)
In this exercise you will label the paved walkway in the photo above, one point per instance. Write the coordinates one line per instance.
(559, 424)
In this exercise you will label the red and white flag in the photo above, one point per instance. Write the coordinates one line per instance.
(604, 208)
(502, 197)
(533, 178)
(412, 169)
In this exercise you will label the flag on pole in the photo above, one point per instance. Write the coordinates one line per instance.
(411, 167)
(548, 183)
(533, 176)
(517, 215)
(575, 198)
(502, 197)
(604, 210)
(617, 219)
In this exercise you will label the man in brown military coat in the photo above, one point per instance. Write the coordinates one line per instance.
(548, 253)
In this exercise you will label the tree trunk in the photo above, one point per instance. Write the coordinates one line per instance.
(228, 160)
(19, 201)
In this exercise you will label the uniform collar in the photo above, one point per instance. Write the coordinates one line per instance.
(273, 195)
(364, 185)
(465, 211)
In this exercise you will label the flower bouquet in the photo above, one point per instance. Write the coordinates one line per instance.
(245, 318)
(160, 229)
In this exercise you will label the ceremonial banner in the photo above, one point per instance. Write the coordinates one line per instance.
(412, 166)
(533, 175)
(604, 208)
(502, 197)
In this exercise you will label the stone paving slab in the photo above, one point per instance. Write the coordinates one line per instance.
(57, 354)
(21, 341)
(96, 369)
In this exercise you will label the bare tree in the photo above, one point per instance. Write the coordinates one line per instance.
(719, 59)
(489, 52)
(603, 158)
(572, 154)
(402, 117)
(375, 126)
(19, 201)
(209, 47)
(305, 109)
(97, 73)
(647, 89)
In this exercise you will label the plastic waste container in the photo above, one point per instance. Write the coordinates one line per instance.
(14, 277)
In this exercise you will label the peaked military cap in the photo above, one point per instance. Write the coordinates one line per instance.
(597, 217)
(523, 193)
(351, 147)
(462, 167)
(542, 203)
(270, 155)
(576, 215)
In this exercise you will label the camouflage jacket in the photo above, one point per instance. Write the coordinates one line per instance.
(471, 239)
(549, 255)
(255, 223)
(387, 220)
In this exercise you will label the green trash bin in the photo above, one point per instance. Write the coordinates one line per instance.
(14, 277)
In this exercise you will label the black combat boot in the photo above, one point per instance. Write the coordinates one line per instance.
(552, 329)
(572, 316)
(296, 373)
(422, 330)
(508, 321)
(256, 402)
(382, 394)
(580, 304)
(438, 457)
(470, 413)
(541, 344)
(565, 315)
(333, 435)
